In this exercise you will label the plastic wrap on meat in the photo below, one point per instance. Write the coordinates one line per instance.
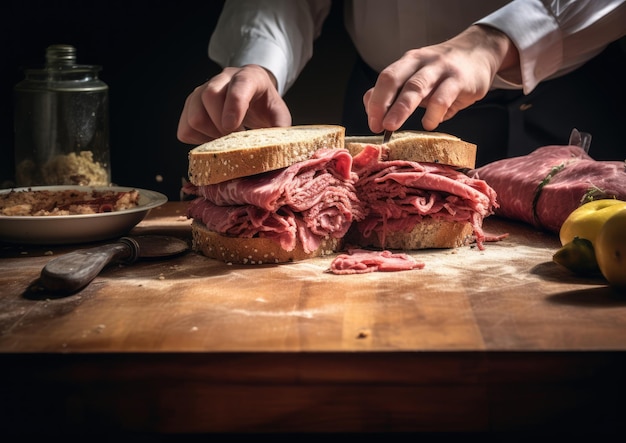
(545, 186)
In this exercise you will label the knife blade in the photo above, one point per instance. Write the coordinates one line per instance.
(387, 136)
(75, 270)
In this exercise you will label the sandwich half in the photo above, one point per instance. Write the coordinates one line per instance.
(272, 195)
(416, 192)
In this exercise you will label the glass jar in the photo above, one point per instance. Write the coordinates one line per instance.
(62, 123)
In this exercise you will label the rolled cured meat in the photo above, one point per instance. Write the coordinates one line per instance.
(545, 186)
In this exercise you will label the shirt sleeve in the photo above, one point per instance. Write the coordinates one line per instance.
(554, 37)
(277, 35)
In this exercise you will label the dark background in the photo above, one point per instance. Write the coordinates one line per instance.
(153, 54)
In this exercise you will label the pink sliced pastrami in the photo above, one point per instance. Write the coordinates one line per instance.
(361, 261)
(399, 194)
(308, 201)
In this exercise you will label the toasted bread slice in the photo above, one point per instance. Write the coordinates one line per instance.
(421, 146)
(252, 251)
(245, 153)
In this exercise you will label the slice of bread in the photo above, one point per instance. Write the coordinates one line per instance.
(251, 251)
(245, 153)
(428, 234)
(421, 146)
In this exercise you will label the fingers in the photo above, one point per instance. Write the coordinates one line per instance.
(239, 93)
(399, 90)
(442, 78)
(225, 105)
(235, 98)
(440, 95)
(200, 120)
(442, 104)
(381, 97)
(195, 125)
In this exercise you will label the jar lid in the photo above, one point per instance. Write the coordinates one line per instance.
(60, 55)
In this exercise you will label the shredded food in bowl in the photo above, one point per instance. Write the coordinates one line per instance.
(65, 202)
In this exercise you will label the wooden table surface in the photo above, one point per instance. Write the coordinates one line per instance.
(499, 339)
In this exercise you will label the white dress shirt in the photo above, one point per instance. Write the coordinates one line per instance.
(553, 36)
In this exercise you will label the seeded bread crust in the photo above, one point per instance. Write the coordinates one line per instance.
(245, 153)
(429, 234)
(251, 251)
(421, 146)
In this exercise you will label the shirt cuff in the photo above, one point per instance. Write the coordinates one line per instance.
(258, 50)
(536, 34)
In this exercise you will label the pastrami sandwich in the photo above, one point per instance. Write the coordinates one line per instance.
(272, 195)
(416, 193)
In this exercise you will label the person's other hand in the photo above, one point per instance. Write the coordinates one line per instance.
(443, 78)
(235, 99)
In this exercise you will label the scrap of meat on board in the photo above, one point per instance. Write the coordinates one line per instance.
(361, 261)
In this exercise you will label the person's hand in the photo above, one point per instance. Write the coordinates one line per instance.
(235, 99)
(443, 78)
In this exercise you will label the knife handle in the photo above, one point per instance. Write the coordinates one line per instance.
(77, 269)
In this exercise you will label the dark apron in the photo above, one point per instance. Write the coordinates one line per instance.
(508, 123)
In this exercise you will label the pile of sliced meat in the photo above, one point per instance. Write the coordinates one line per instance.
(308, 201)
(399, 194)
(545, 186)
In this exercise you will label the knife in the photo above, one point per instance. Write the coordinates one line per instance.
(387, 136)
(75, 270)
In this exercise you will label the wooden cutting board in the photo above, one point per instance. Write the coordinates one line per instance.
(499, 339)
(509, 296)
